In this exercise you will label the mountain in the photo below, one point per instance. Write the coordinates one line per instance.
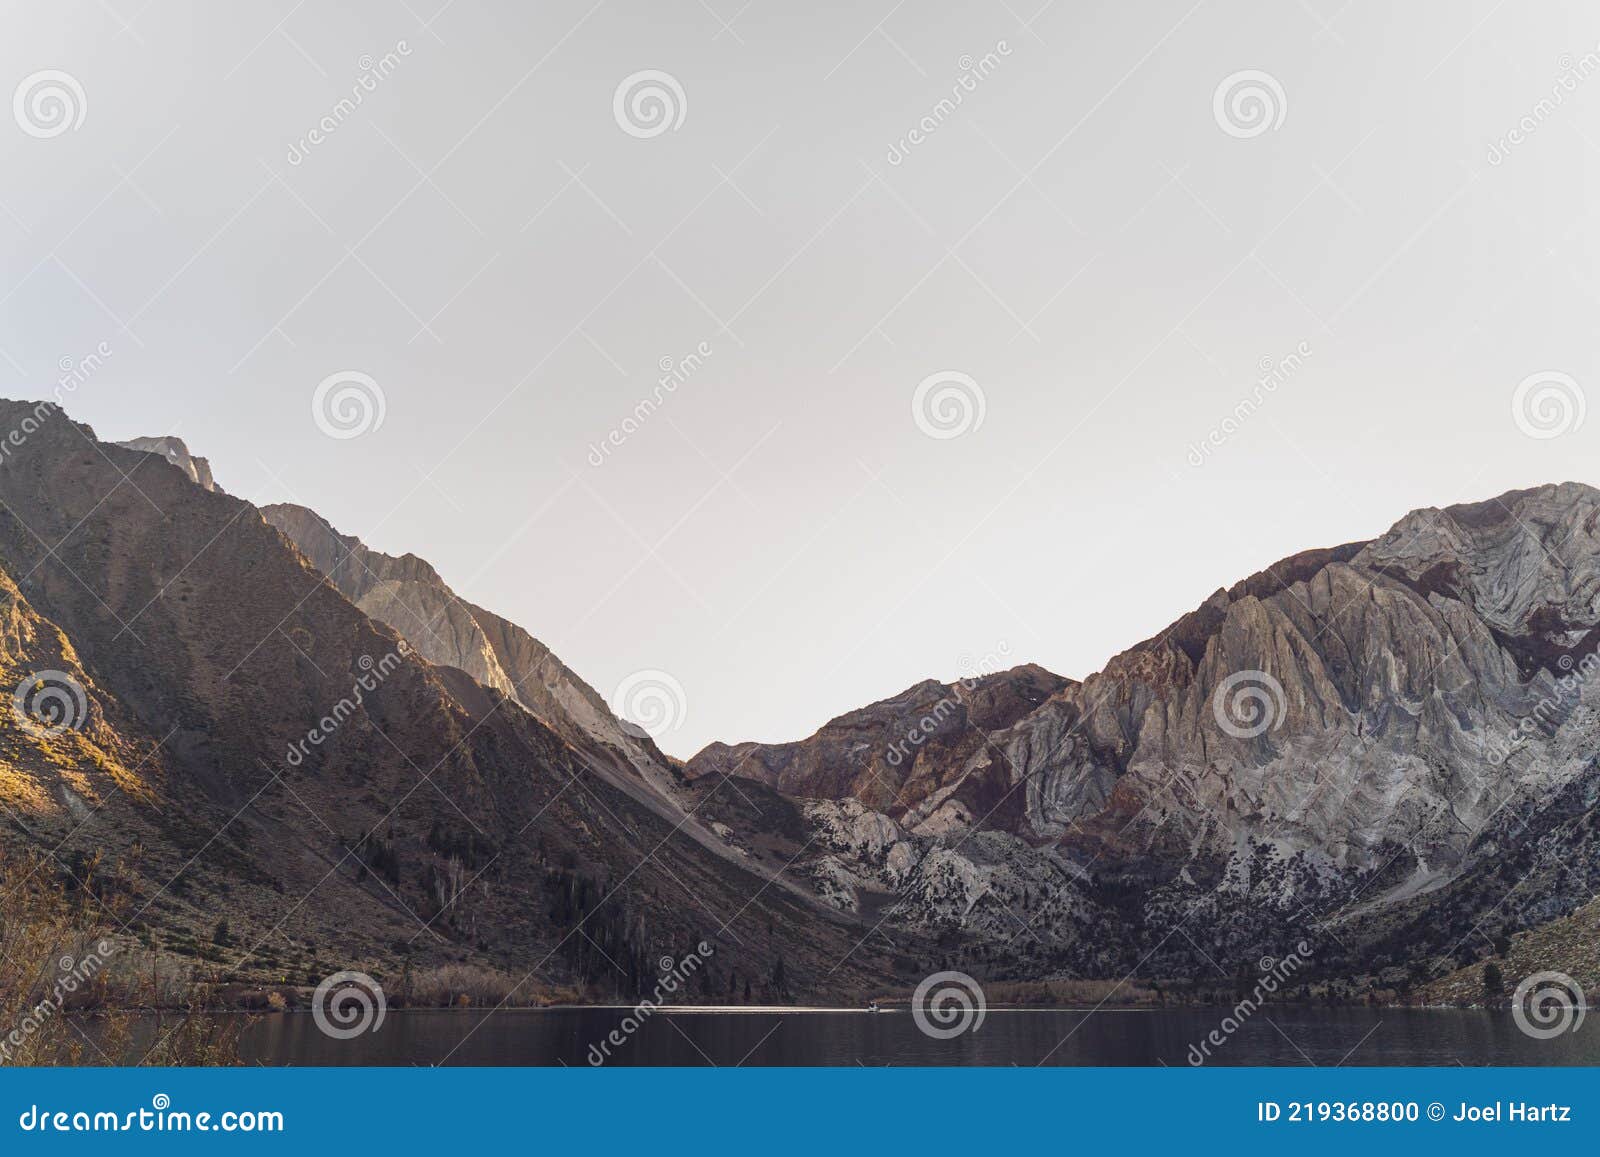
(1383, 749)
(1344, 735)
(1568, 945)
(237, 739)
(407, 594)
(904, 748)
(175, 452)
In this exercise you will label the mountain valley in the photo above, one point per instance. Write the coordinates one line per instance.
(1384, 749)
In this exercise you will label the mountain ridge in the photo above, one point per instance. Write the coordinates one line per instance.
(292, 759)
(408, 594)
(1362, 739)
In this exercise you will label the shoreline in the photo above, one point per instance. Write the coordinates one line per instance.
(768, 1010)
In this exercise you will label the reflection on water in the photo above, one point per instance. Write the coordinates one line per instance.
(1275, 1036)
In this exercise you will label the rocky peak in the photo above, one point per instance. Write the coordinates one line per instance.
(1528, 561)
(1333, 701)
(898, 752)
(236, 736)
(406, 593)
(347, 561)
(176, 452)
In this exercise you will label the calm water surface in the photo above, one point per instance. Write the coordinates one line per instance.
(1279, 1036)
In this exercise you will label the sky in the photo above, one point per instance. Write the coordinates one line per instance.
(954, 384)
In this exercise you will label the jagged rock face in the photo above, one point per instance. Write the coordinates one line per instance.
(407, 594)
(898, 752)
(1386, 738)
(1528, 564)
(175, 452)
(1385, 735)
(1343, 704)
(987, 883)
(1393, 676)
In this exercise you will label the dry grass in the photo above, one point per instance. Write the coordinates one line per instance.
(70, 989)
(460, 985)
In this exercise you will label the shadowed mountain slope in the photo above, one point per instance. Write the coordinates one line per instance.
(256, 745)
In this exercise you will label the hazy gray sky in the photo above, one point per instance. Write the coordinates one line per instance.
(1106, 247)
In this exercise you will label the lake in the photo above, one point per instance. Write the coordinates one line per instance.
(570, 1036)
